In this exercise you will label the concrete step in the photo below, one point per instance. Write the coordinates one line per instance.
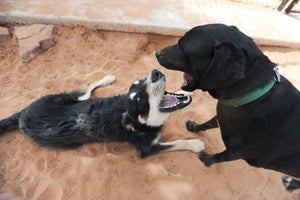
(169, 17)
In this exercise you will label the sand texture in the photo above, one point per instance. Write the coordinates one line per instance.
(103, 171)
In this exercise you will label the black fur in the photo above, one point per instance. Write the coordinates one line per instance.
(62, 121)
(225, 62)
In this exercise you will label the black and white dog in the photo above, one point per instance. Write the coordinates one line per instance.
(258, 111)
(69, 120)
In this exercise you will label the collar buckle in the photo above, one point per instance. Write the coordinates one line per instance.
(277, 74)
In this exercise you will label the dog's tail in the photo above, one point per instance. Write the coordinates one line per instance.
(11, 123)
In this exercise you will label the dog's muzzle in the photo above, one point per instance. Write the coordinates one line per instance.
(169, 102)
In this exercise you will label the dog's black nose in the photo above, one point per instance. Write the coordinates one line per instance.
(156, 75)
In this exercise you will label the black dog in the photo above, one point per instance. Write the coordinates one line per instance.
(69, 120)
(258, 113)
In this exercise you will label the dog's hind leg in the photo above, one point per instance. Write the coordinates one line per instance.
(194, 145)
(194, 127)
(107, 80)
(291, 184)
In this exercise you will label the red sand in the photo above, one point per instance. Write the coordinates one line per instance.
(114, 170)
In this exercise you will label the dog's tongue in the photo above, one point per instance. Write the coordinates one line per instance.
(169, 100)
(172, 102)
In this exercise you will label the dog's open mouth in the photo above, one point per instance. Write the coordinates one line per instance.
(171, 102)
(189, 83)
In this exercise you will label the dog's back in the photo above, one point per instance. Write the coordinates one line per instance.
(286, 130)
(58, 120)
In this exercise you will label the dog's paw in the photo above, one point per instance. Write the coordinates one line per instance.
(290, 184)
(287, 182)
(196, 145)
(206, 159)
(191, 126)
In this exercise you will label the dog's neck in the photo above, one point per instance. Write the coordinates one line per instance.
(248, 98)
(133, 125)
(254, 94)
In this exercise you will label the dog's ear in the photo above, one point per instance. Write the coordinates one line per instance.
(236, 28)
(227, 66)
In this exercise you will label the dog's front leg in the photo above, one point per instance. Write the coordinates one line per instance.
(194, 145)
(194, 127)
(209, 159)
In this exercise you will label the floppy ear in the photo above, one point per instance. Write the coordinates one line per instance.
(227, 66)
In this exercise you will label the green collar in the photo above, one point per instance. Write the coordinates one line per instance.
(252, 96)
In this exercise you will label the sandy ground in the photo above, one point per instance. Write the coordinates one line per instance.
(114, 170)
